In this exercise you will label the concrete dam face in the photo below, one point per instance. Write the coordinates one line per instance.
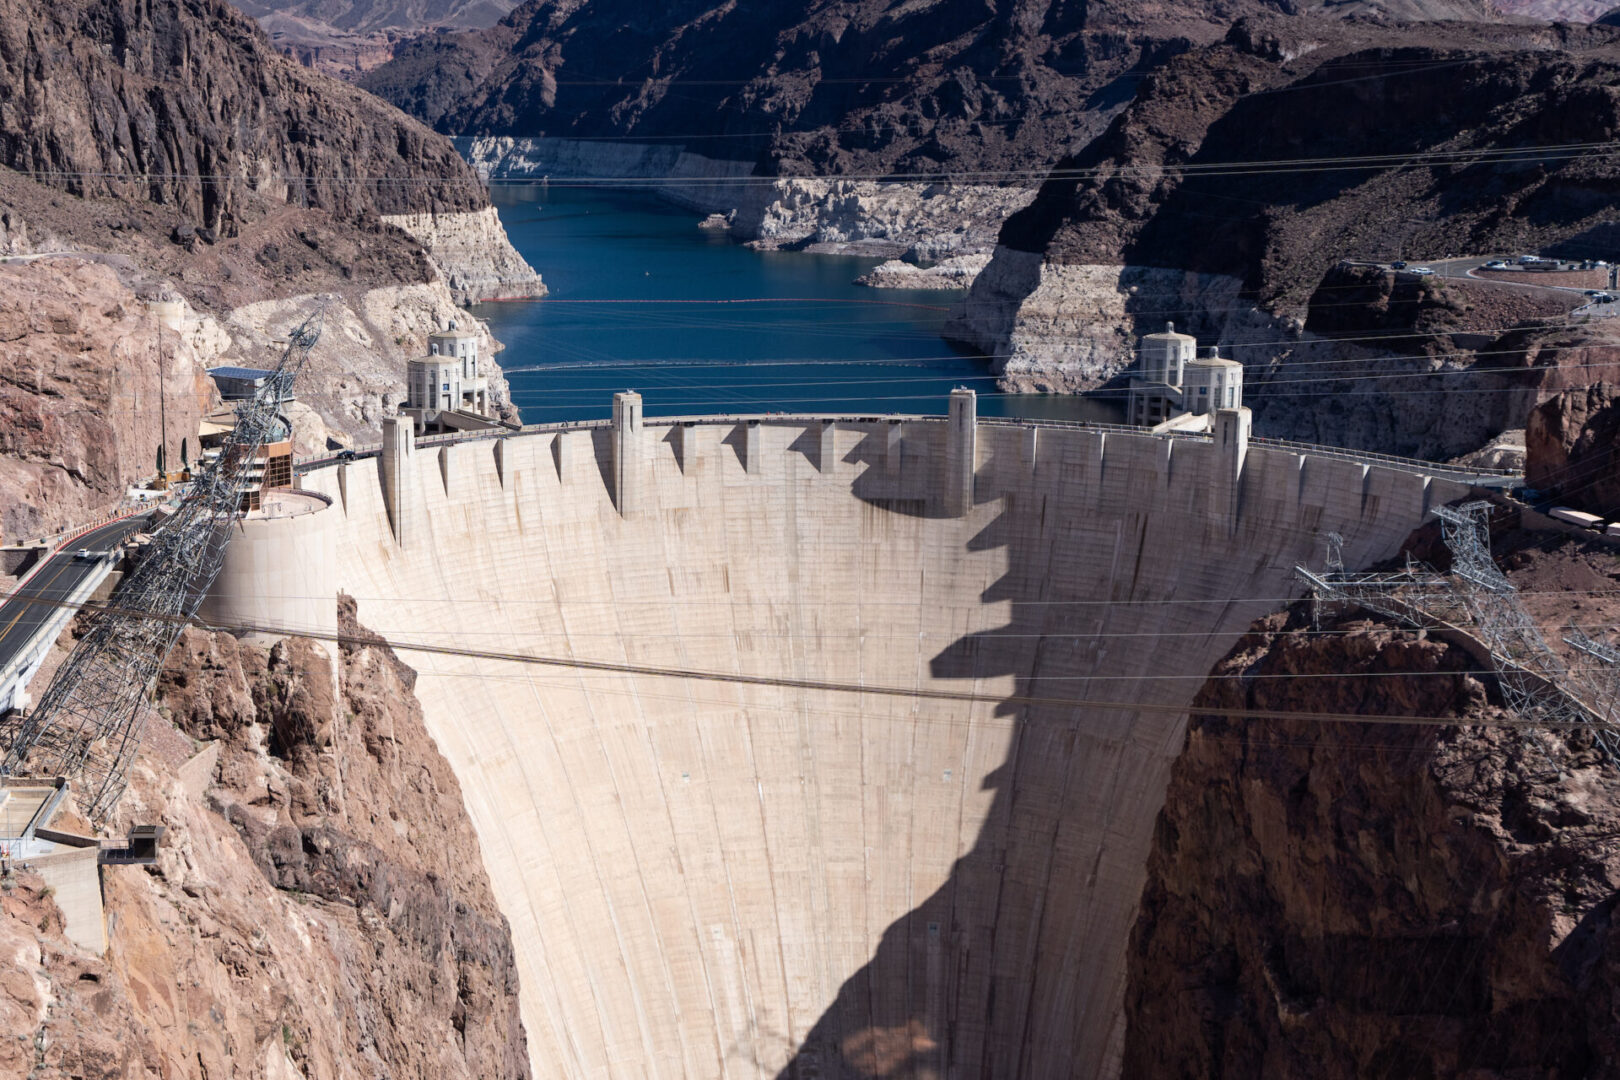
(711, 878)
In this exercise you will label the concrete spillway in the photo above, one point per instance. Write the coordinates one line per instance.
(708, 879)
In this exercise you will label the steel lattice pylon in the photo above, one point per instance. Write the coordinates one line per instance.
(1540, 689)
(88, 723)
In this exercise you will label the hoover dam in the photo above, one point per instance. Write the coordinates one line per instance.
(897, 826)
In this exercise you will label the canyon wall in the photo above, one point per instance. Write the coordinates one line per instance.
(1360, 899)
(88, 339)
(84, 367)
(1183, 211)
(355, 375)
(471, 251)
(317, 908)
(1428, 369)
(714, 877)
(923, 219)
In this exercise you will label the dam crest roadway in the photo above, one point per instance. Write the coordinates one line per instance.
(725, 879)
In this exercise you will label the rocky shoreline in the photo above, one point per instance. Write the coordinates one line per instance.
(955, 272)
(471, 252)
(921, 221)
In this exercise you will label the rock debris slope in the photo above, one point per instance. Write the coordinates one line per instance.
(318, 909)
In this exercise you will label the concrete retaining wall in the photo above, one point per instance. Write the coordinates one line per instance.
(707, 879)
(279, 571)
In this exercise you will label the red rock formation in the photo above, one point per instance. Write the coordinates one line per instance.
(1346, 900)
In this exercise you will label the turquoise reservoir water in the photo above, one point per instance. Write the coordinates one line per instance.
(642, 299)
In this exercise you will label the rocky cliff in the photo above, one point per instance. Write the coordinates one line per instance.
(941, 100)
(1557, 10)
(319, 907)
(167, 149)
(346, 39)
(1185, 208)
(185, 104)
(79, 376)
(1572, 441)
(83, 365)
(1344, 899)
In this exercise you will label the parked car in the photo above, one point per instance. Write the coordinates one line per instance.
(1496, 264)
(1422, 271)
(345, 455)
(1526, 260)
(1397, 265)
(1603, 298)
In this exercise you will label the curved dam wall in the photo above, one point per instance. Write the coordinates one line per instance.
(714, 879)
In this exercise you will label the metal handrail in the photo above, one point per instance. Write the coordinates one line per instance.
(1369, 455)
(1365, 456)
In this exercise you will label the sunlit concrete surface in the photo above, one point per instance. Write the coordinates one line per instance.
(708, 879)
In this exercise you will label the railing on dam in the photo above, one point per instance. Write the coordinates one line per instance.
(1487, 477)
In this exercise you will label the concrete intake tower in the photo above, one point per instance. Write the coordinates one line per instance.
(713, 878)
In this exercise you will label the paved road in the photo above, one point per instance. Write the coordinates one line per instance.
(20, 618)
(1463, 269)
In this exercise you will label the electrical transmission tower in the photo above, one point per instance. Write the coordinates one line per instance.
(88, 723)
(1538, 687)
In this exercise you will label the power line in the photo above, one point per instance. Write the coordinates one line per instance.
(829, 686)
(1234, 168)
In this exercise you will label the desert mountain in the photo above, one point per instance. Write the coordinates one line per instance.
(166, 151)
(1556, 10)
(845, 87)
(185, 104)
(1222, 200)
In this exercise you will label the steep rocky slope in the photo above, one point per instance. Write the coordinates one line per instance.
(1557, 10)
(365, 16)
(346, 40)
(185, 104)
(983, 94)
(1153, 221)
(318, 909)
(1367, 899)
(81, 361)
(1573, 439)
(168, 151)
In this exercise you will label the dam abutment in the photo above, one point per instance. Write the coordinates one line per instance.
(814, 871)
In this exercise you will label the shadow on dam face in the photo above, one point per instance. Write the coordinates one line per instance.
(997, 973)
(984, 977)
(744, 880)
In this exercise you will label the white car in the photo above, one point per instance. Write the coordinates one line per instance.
(1422, 271)
(1496, 264)
(1526, 260)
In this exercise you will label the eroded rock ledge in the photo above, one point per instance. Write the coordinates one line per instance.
(923, 220)
(319, 909)
(472, 253)
(1345, 900)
